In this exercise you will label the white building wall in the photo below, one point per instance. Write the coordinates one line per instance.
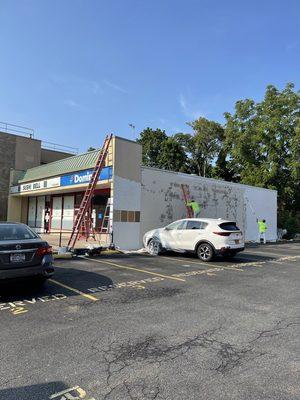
(162, 201)
(261, 204)
(127, 197)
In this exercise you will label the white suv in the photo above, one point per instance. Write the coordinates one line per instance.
(206, 237)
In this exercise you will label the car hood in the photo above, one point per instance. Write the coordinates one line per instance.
(154, 232)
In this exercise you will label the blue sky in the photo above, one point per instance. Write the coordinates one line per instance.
(76, 69)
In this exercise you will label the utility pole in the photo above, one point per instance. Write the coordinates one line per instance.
(133, 129)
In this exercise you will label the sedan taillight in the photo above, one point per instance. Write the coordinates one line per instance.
(41, 251)
(222, 233)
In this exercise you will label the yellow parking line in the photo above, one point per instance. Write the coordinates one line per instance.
(88, 296)
(135, 269)
(208, 264)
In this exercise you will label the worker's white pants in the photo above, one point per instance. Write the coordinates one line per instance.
(263, 236)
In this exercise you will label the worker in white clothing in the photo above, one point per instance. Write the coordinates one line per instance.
(262, 229)
(46, 221)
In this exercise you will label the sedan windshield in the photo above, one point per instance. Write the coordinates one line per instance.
(16, 232)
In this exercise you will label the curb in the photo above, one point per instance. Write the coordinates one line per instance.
(107, 252)
(278, 243)
(66, 256)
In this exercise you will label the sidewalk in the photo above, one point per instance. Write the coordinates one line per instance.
(54, 240)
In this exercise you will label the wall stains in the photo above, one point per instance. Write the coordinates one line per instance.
(162, 199)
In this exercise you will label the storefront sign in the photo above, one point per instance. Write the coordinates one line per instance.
(53, 182)
(84, 177)
(77, 178)
(48, 183)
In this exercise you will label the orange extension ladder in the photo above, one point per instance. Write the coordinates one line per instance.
(80, 222)
(186, 196)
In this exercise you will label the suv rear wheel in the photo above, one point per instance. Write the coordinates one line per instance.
(154, 247)
(205, 252)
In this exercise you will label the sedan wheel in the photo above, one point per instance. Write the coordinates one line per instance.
(205, 252)
(154, 247)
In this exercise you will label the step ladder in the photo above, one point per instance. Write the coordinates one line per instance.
(105, 226)
(84, 209)
(186, 197)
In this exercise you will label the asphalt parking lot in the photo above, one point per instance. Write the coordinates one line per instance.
(168, 327)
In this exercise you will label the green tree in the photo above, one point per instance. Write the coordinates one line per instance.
(263, 141)
(203, 146)
(172, 156)
(91, 149)
(186, 141)
(152, 141)
(222, 168)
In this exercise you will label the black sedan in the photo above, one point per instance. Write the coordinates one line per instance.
(23, 254)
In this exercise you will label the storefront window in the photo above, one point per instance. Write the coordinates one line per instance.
(56, 212)
(68, 214)
(36, 213)
(31, 211)
(78, 198)
(40, 213)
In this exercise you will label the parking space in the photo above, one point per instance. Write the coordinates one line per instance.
(94, 279)
(116, 318)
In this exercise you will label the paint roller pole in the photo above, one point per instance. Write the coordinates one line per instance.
(251, 207)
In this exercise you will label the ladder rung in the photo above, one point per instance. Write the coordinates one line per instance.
(83, 215)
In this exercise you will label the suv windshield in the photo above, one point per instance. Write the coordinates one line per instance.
(16, 232)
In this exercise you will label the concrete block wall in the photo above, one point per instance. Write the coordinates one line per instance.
(19, 153)
(127, 198)
(162, 201)
(48, 156)
(7, 161)
(127, 158)
(262, 204)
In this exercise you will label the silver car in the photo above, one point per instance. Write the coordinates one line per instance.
(23, 254)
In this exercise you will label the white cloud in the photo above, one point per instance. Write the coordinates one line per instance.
(188, 110)
(72, 83)
(114, 86)
(75, 82)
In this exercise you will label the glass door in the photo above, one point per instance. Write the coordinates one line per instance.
(68, 213)
(40, 213)
(56, 212)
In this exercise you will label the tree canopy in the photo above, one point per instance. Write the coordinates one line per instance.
(259, 144)
(263, 142)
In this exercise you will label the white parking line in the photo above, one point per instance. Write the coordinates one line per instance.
(203, 264)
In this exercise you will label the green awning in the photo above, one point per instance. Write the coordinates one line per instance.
(61, 167)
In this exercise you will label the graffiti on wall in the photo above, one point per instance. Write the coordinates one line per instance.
(163, 202)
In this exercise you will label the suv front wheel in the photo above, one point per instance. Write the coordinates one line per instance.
(205, 252)
(154, 247)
